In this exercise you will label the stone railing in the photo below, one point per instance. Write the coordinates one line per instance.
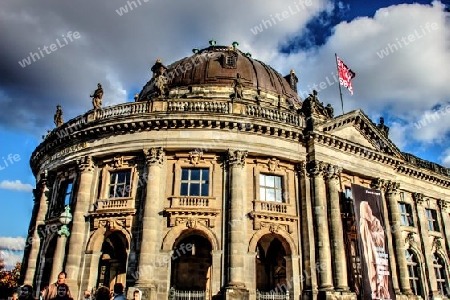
(270, 206)
(191, 201)
(419, 162)
(125, 109)
(207, 106)
(116, 204)
(274, 114)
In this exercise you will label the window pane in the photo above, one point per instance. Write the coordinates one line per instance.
(262, 194)
(184, 189)
(270, 195)
(111, 191)
(278, 182)
(195, 174)
(204, 190)
(270, 181)
(184, 174)
(69, 188)
(278, 196)
(205, 175)
(261, 179)
(194, 189)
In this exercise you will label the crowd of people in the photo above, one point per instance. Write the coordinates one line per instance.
(59, 290)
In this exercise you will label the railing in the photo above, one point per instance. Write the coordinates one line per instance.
(272, 295)
(186, 295)
(113, 204)
(125, 109)
(270, 206)
(191, 201)
(274, 114)
(208, 106)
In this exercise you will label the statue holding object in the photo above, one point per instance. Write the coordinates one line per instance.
(97, 97)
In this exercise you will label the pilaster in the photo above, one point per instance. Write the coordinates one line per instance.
(445, 217)
(58, 256)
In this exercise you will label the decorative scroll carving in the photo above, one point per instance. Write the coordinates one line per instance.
(392, 187)
(237, 157)
(154, 156)
(85, 164)
(301, 169)
(410, 239)
(112, 224)
(418, 198)
(273, 164)
(195, 157)
(386, 186)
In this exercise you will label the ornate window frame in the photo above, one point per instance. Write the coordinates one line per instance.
(116, 165)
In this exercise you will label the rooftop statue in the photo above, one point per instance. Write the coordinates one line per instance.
(160, 81)
(58, 118)
(97, 97)
(383, 128)
(238, 87)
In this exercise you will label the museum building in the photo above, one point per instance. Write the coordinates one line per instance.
(220, 182)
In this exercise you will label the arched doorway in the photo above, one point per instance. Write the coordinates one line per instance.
(271, 264)
(191, 263)
(112, 265)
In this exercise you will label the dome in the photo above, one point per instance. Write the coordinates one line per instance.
(220, 66)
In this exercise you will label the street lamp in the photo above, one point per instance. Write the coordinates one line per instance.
(65, 218)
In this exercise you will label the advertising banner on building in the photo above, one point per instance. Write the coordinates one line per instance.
(376, 277)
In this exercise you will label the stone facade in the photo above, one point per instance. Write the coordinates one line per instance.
(198, 190)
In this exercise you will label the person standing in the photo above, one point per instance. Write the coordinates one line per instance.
(52, 290)
(26, 292)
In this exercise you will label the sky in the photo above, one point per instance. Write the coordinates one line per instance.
(399, 50)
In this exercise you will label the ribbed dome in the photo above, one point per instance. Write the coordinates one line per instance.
(219, 66)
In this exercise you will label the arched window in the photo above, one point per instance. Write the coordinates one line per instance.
(441, 277)
(415, 280)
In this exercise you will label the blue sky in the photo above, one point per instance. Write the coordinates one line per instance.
(404, 85)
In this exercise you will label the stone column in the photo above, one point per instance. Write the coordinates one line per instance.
(323, 265)
(40, 193)
(78, 231)
(390, 230)
(308, 277)
(399, 242)
(445, 217)
(237, 237)
(336, 229)
(427, 245)
(216, 270)
(150, 248)
(60, 250)
(91, 270)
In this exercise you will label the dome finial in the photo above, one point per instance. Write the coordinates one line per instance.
(212, 42)
(195, 50)
(235, 44)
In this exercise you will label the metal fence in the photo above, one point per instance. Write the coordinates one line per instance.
(272, 295)
(186, 295)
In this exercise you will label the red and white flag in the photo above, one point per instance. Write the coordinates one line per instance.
(345, 75)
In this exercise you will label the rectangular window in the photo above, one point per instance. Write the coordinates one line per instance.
(406, 216)
(194, 182)
(120, 184)
(433, 224)
(270, 188)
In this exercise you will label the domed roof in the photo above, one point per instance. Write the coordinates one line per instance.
(220, 66)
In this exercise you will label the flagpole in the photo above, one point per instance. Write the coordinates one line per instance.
(339, 83)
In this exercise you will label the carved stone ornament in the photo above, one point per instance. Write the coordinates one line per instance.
(418, 198)
(444, 205)
(117, 162)
(437, 244)
(392, 187)
(191, 223)
(58, 117)
(111, 224)
(85, 164)
(195, 157)
(237, 157)
(332, 171)
(97, 97)
(273, 164)
(154, 156)
(316, 168)
(64, 231)
(274, 228)
(378, 184)
(410, 239)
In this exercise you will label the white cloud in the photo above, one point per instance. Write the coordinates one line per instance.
(16, 185)
(12, 243)
(11, 258)
(445, 158)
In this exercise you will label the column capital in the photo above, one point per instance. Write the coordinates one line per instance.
(154, 156)
(64, 231)
(301, 169)
(316, 168)
(236, 157)
(332, 172)
(386, 186)
(444, 205)
(418, 198)
(85, 164)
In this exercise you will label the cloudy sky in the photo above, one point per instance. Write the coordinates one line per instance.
(400, 52)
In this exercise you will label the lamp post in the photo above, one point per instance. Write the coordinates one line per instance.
(58, 257)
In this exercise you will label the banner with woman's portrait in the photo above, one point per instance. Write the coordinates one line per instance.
(375, 270)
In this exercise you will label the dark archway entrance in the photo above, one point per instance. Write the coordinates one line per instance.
(112, 266)
(271, 269)
(48, 263)
(191, 264)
